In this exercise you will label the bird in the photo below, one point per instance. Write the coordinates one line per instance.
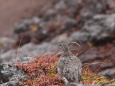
(69, 67)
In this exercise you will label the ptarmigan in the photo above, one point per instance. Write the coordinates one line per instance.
(69, 66)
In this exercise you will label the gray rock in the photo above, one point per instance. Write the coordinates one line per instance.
(66, 19)
(51, 13)
(80, 37)
(98, 28)
(10, 83)
(25, 24)
(108, 20)
(89, 56)
(72, 3)
(61, 5)
(69, 23)
(60, 38)
(92, 7)
(66, 4)
(108, 73)
(5, 42)
(19, 54)
(10, 75)
(22, 60)
(6, 56)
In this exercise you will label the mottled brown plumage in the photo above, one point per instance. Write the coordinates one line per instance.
(69, 66)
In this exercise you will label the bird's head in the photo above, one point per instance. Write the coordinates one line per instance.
(63, 47)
